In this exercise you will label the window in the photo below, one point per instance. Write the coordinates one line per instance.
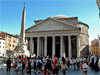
(13, 45)
(14, 41)
(10, 45)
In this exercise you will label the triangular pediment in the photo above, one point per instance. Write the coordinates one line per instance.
(51, 25)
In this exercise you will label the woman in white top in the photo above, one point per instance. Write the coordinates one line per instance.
(71, 62)
(85, 67)
(13, 63)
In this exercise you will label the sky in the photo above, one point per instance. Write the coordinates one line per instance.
(11, 13)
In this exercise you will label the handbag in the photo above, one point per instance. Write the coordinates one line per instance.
(84, 65)
(81, 67)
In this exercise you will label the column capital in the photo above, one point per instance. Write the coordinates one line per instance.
(45, 37)
(69, 35)
(31, 37)
(61, 36)
(53, 36)
(77, 35)
(38, 37)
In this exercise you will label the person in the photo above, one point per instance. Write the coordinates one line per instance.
(96, 65)
(55, 69)
(92, 63)
(81, 60)
(71, 63)
(48, 66)
(19, 66)
(85, 67)
(35, 60)
(44, 70)
(16, 63)
(23, 63)
(32, 63)
(68, 63)
(1, 61)
(13, 61)
(8, 64)
(39, 64)
(63, 66)
(78, 63)
(74, 60)
(28, 66)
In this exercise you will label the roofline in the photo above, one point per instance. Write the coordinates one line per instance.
(79, 22)
(57, 18)
(10, 34)
(52, 19)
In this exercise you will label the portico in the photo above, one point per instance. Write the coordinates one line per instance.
(42, 45)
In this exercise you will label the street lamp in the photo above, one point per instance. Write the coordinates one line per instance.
(98, 4)
(99, 43)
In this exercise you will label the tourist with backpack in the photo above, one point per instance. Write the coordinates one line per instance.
(63, 66)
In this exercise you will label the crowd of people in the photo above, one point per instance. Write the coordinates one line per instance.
(49, 65)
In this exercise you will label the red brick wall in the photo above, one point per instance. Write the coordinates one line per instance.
(3, 34)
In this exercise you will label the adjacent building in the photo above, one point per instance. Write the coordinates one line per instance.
(11, 41)
(94, 47)
(2, 46)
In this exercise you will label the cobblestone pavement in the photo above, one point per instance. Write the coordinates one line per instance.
(68, 72)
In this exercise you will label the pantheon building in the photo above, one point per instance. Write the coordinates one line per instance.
(60, 35)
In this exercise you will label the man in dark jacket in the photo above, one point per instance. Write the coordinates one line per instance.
(8, 64)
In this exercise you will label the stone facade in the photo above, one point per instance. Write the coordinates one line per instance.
(94, 47)
(2, 46)
(65, 28)
(84, 39)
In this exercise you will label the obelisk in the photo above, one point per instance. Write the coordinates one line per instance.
(21, 48)
(22, 34)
